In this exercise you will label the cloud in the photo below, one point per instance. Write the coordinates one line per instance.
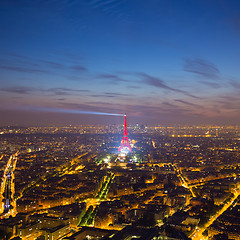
(211, 84)
(79, 68)
(101, 96)
(187, 103)
(235, 84)
(169, 104)
(111, 95)
(74, 78)
(227, 103)
(202, 68)
(230, 98)
(23, 69)
(20, 63)
(53, 91)
(116, 94)
(134, 87)
(110, 7)
(157, 82)
(114, 78)
(65, 91)
(53, 64)
(18, 89)
(72, 57)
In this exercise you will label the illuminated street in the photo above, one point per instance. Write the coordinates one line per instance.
(197, 234)
(8, 187)
(182, 179)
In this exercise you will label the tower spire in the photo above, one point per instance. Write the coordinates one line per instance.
(125, 141)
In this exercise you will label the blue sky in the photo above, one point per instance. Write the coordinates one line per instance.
(160, 61)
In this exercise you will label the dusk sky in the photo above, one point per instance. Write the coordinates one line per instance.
(160, 61)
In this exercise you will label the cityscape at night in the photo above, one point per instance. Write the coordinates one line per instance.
(120, 120)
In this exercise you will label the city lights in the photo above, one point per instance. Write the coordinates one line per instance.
(119, 120)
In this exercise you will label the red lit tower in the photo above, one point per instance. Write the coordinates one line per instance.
(125, 142)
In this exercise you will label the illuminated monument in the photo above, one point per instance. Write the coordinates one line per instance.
(125, 146)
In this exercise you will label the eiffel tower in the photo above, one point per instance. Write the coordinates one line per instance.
(125, 142)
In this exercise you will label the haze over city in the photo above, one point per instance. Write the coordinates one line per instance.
(160, 61)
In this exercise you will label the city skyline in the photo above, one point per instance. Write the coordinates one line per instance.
(161, 62)
(180, 182)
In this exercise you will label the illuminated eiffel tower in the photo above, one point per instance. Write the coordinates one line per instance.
(125, 146)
